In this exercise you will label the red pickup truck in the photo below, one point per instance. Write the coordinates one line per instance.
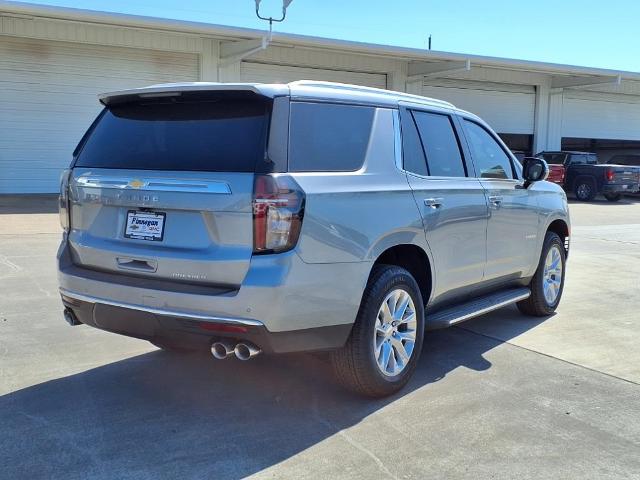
(580, 173)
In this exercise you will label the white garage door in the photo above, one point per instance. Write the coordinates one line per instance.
(48, 99)
(507, 108)
(601, 116)
(262, 73)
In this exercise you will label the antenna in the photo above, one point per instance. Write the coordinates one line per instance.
(285, 4)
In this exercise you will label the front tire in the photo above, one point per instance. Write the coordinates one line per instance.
(385, 343)
(548, 282)
(612, 197)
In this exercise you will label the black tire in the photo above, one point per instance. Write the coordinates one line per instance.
(537, 305)
(355, 364)
(612, 197)
(584, 190)
(172, 347)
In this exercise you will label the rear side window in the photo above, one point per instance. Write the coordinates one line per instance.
(582, 159)
(554, 158)
(222, 135)
(490, 159)
(327, 137)
(440, 145)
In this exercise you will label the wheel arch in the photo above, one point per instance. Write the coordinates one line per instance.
(560, 227)
(415, 260)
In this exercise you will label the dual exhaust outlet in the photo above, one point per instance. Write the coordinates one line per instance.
(242, 350)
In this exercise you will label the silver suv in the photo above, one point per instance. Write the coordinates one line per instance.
(249, 218)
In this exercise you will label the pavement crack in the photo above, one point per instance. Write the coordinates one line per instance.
(351, 441)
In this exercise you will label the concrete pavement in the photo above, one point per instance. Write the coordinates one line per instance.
(500, 397)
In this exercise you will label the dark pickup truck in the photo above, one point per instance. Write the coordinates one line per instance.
(580, 173)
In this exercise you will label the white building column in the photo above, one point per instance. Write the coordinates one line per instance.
(397, 78)
(541, 117)
(209, 60)
(554, 135)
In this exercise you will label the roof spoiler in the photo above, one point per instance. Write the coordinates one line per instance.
(176, 89)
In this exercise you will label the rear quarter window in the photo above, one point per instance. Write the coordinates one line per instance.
(327, 137)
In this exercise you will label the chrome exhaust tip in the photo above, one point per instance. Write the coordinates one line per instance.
(246, 351)
(222, 349)
(70, 317)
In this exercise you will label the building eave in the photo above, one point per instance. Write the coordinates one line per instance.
(346, 46)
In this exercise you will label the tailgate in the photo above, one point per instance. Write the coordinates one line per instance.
(201, 224)
(624, 175)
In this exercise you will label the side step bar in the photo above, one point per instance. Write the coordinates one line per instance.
(459, 313)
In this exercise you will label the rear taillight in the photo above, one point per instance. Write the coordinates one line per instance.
(278, 206)
(63, 200)
(610, 175)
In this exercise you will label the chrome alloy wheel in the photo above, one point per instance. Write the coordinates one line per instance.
(552, 277)
(395, 332)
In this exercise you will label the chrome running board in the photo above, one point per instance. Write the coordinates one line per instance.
(479, 306)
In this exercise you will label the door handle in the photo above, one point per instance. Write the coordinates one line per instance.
(495, 200)
(433, 202)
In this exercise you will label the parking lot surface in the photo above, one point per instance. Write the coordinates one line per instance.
(501, 396)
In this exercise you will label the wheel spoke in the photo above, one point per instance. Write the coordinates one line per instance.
(406, 335)
(401, 308)
(398, 346)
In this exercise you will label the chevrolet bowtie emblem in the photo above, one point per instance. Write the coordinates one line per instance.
(136, 183)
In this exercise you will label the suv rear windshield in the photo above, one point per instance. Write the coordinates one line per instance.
(212, 134)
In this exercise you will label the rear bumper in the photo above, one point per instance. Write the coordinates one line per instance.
(177, 328)
(621, 188)
(283, 305)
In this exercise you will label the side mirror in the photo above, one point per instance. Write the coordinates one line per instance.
(534, 169)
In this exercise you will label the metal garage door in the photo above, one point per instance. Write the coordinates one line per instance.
(507, 108)
(593, 115)
(48, 99)
(263, 73)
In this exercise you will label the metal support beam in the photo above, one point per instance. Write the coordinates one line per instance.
(433, 69)
(575, 81)
(231, 52)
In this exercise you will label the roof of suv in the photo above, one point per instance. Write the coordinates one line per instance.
(303, 89)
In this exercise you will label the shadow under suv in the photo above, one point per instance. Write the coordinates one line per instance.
(249, 218)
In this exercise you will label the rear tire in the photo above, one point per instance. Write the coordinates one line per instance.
(385, 343)
(546, 287)
(612, 197)
(585, 190)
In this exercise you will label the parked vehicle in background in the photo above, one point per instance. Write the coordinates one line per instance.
(249, 218)
(580, 173)
(629, 160)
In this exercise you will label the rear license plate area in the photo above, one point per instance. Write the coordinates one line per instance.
(145, 225)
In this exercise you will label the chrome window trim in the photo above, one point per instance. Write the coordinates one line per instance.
(160, 311)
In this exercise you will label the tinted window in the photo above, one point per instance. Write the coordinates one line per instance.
(328, 137)
(440, 145)
(222, 136)
(583, 158)
(412, 152)
(554, 158)
(490, 159)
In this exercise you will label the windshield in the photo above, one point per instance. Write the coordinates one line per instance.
(220, 135)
